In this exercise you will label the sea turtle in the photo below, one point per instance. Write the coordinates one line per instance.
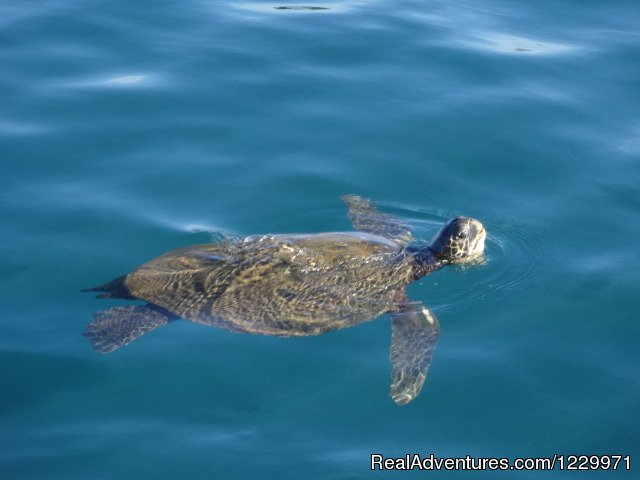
(288, 285)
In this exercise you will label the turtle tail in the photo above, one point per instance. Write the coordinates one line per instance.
(116, 288)
(115, 327)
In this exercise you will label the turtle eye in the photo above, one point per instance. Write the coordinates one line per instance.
(462, 234)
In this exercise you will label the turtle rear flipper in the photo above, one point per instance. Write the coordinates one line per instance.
(366, 218)
(118, 326)
(415, 335)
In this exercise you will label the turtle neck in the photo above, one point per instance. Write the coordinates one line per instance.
(424, 261)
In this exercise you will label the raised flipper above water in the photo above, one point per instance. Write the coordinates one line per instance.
(366, 218)
(118, 326)
(415, 335)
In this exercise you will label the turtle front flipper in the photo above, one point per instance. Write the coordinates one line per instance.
(366, 218)
(415, 335)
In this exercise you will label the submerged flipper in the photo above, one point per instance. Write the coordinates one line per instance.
(415, 335)
(366, 218)
(118, 326)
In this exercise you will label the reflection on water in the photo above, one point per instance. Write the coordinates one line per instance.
(632, 145)
(127, 79)
(103, 81)
(500, 43)
(275, 8)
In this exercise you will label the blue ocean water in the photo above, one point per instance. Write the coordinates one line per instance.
(128, 129)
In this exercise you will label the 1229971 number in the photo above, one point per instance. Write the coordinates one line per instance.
(594, 462)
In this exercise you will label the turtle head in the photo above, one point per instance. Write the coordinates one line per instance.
(460, 240)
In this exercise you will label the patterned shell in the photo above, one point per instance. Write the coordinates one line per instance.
(278, 284)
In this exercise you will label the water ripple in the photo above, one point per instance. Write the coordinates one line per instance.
(519, 256)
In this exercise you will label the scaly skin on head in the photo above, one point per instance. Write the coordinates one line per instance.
(460, 240)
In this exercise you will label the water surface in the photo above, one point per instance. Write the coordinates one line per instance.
(129, 129)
